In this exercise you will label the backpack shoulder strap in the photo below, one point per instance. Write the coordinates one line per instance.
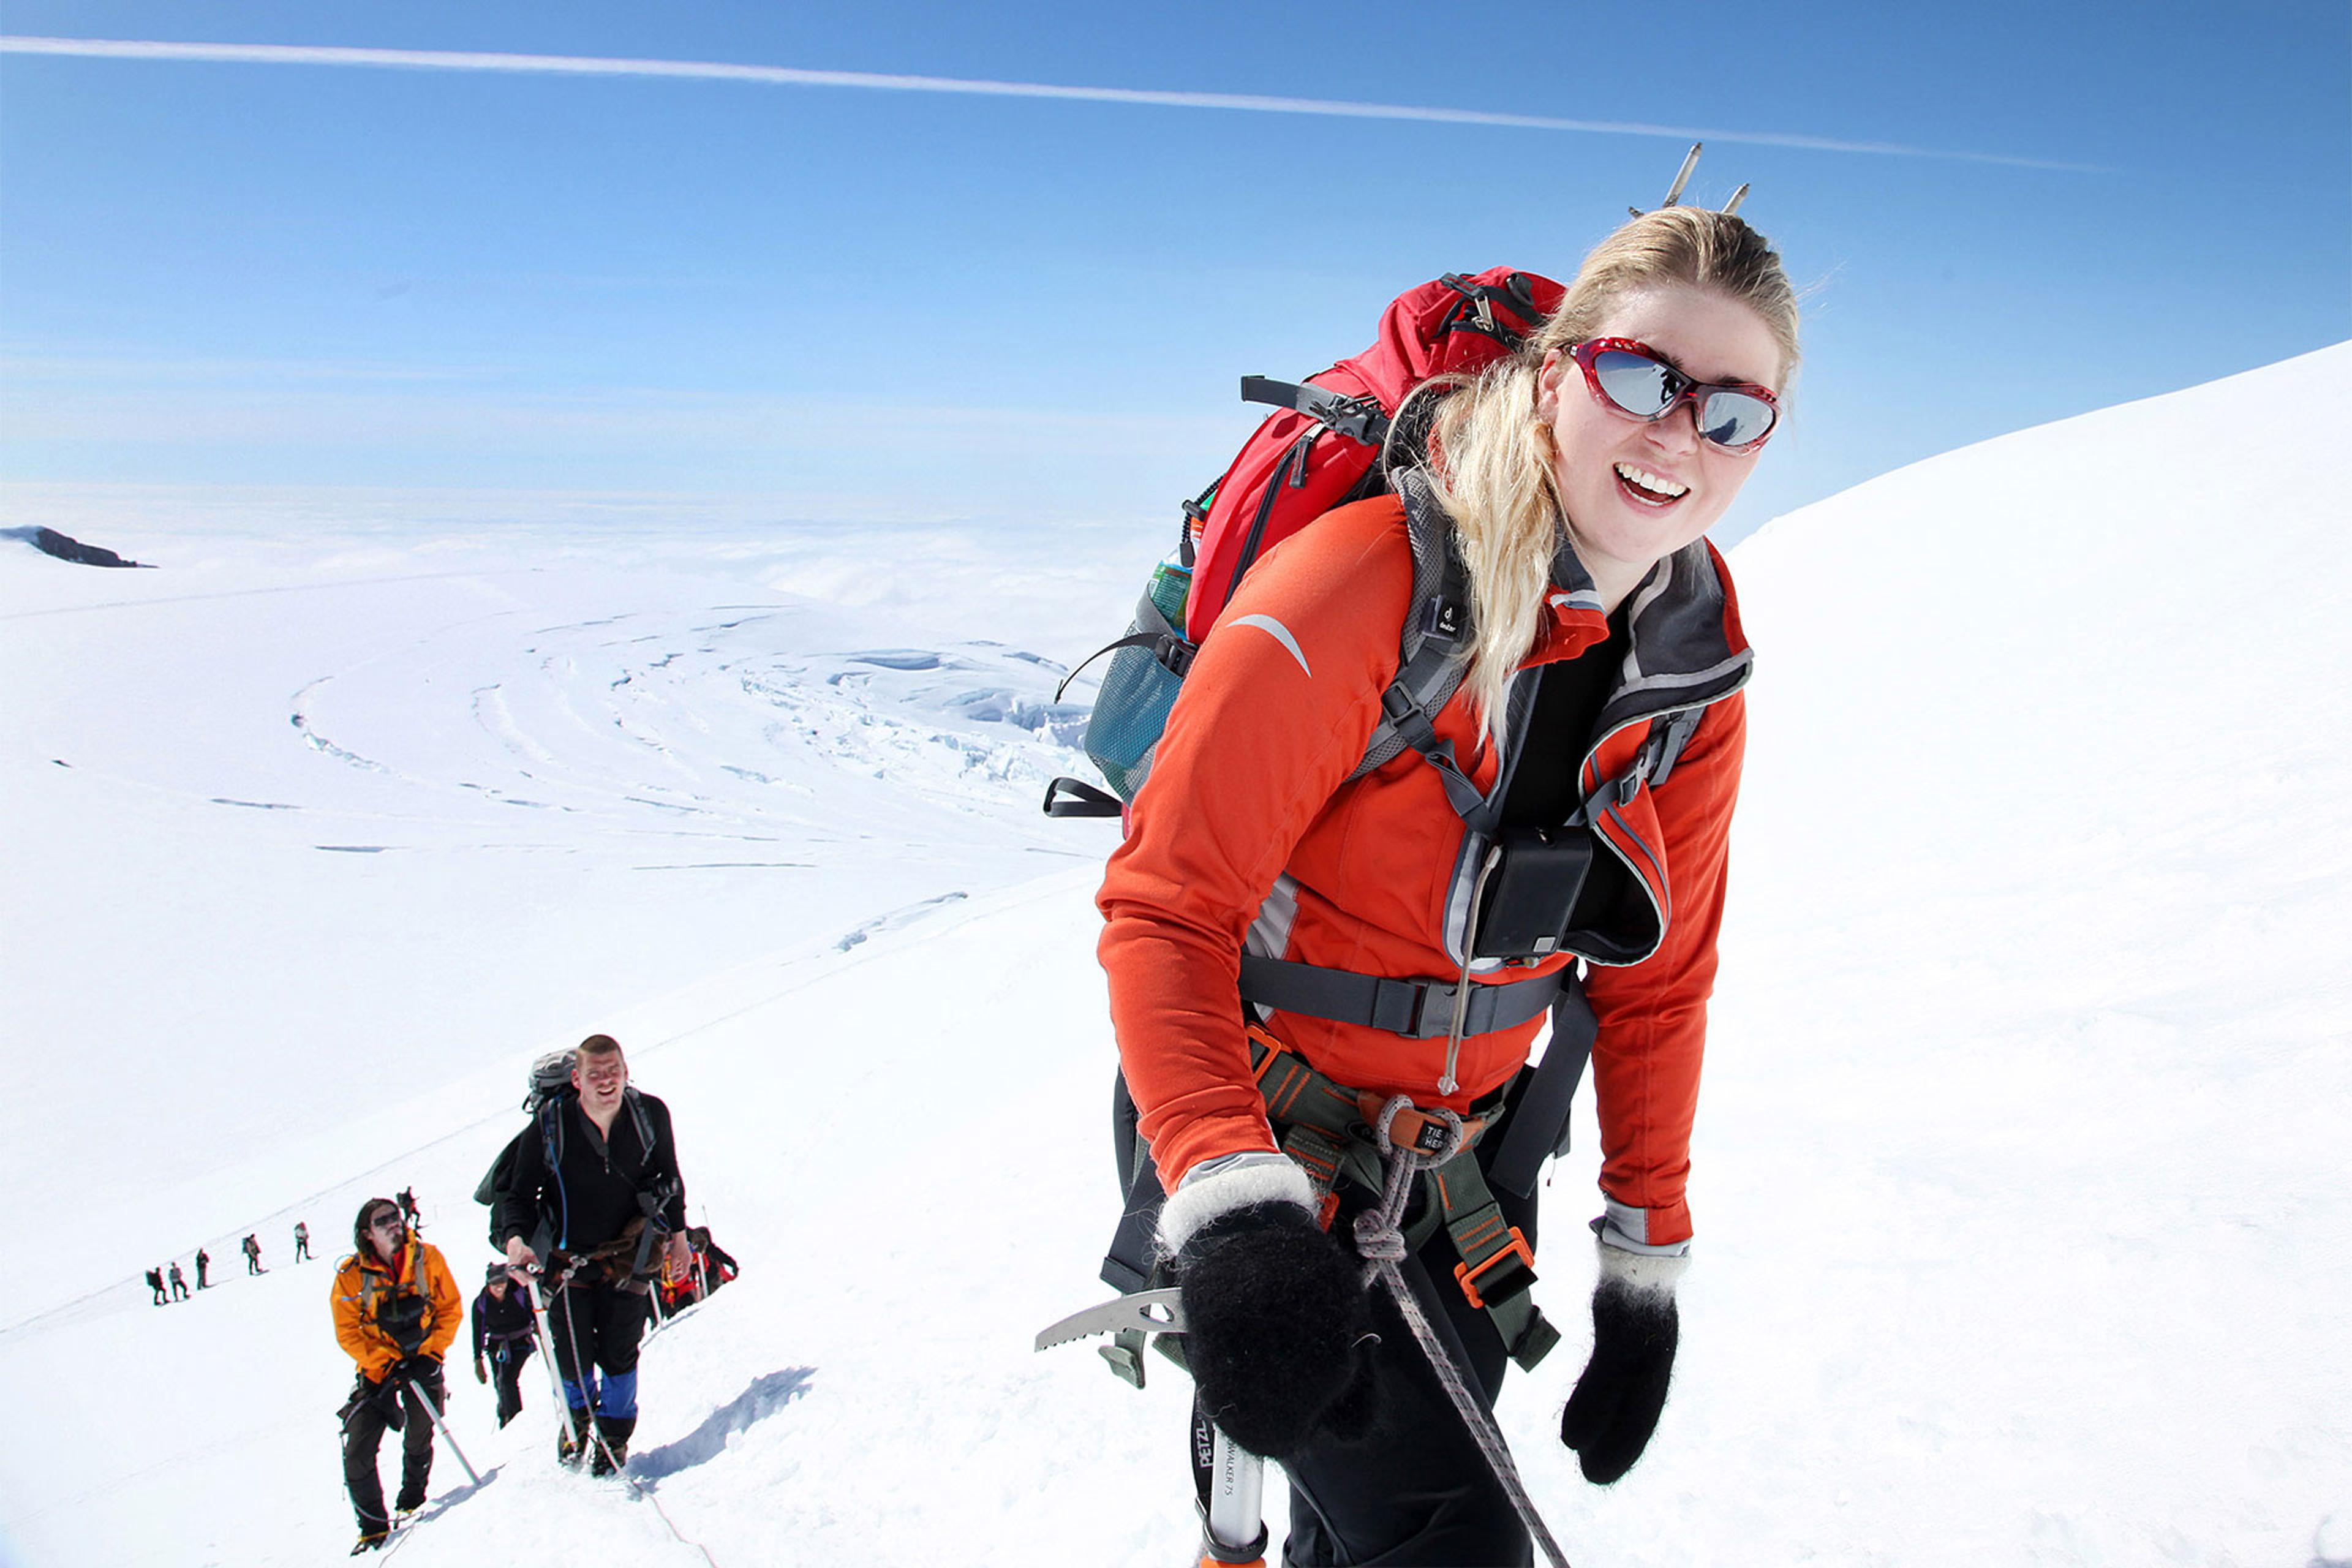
(644, 1120)
(1432, 653)
(550, 1129)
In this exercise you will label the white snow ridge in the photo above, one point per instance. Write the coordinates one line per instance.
(2025, 1231)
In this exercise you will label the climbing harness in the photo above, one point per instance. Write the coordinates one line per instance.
(1329, 1129)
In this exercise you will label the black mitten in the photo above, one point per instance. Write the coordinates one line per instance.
(1278, 1329)
(1615, 1406)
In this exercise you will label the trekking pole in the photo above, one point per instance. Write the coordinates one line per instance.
(447, 1435)
(547, 1356)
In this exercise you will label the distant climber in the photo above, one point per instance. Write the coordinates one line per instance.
(502, 1339)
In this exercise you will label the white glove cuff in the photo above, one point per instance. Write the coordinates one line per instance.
(1230, 1181)
(1646, 1273)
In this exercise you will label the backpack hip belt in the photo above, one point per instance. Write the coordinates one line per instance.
(1325, 1126)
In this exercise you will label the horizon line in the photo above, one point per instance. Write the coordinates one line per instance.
(791, 76)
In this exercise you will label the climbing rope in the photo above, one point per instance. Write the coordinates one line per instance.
(1380, 1237)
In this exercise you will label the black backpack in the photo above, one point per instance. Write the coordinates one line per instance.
(550, 1090)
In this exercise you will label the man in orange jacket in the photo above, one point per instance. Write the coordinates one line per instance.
(397, 1312)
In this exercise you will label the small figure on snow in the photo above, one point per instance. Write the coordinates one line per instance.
(252, 1244)
(301, 1242)
(502, 1339)
(409, 1209)
(204, 1262)
(608, 1150)
(179, 1282)
(155, 1283)
(396, 1313)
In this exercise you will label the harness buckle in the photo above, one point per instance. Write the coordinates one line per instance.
(1516, 1251)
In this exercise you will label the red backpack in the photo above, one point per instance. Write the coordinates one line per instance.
(1325, 449)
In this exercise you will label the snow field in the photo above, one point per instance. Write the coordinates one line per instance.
(2024, 1231)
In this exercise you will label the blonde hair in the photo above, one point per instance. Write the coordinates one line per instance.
(1491, 456)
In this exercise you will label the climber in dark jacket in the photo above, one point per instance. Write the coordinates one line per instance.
(596, 1218)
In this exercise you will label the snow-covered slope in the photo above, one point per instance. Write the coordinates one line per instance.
(2024, 1226)
(359, 814)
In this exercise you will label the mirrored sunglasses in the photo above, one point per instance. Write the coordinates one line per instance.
(1635, 380)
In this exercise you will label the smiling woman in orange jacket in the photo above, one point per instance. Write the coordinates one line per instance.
(1575, 481)
(397, 1312)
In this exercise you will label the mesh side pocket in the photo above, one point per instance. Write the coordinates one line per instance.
(1132, 710)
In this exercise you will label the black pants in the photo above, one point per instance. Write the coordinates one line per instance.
(179, 1289)
(301, 1250)
(506, 1358)
(364, 1428)
(600, 1325)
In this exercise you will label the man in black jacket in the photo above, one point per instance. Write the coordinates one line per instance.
(599, 1211)
(502, 1341)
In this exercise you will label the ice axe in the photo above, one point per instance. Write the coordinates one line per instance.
(1231, 1481)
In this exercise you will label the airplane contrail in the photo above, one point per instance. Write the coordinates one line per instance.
(788, 76)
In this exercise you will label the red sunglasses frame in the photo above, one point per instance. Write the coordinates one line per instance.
(1691, 391)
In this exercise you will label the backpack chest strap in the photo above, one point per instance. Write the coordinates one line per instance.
(1417, 1009)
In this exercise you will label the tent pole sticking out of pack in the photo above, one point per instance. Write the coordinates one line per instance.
(1682, 178)
(1682, 175)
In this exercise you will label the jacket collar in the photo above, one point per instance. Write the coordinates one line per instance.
(1686, 644)
(398, 1271)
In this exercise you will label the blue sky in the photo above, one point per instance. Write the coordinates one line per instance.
(822, 301)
